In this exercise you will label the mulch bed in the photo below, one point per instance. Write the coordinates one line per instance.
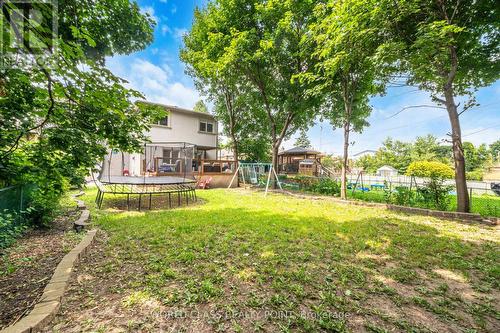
(27, 266)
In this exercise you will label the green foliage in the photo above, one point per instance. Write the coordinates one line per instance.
(448, 49)
(57, 109)
(475, 175)
(403, 196)
(9, 228)
(495, 150)
(420, 31)
(399, 154)
(331, 162)
(434, 193)
(200, 107)
(430, 169)
(247, 54)
(302, 140)
(348, 70)
(305, 182)
(326, 186)
(476, 157)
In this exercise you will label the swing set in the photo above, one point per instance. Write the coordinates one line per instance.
(256, 174)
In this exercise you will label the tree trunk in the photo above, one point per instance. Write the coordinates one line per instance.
(345, 158)
(458, 151)
(235, 151)
(276, 147)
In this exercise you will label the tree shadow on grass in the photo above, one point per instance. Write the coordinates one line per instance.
(386, 270)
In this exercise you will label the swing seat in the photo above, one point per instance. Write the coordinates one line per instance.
(253, 180)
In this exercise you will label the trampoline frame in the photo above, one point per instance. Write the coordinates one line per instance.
(186, 189)
(148, 185)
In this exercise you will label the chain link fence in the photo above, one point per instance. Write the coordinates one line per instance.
(14, 202)
(401, 190)
(483, 200)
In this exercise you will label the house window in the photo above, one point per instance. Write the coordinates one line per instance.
(163, 121)
(206, 127)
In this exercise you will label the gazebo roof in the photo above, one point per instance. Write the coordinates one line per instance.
(299, 151)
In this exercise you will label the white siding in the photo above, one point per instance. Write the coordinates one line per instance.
(184, 128)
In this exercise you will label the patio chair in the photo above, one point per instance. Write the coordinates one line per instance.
(204, 183)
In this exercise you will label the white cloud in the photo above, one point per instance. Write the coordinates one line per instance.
(174, 9)
(155, 82)
(151, 11)
(163, 1)
(179, 32)
(165, 29)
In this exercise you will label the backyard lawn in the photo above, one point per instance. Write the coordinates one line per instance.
(241, 262)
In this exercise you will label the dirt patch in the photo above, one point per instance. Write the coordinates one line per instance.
(27, 266)
(158, 202)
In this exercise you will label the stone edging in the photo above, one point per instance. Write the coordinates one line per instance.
(50, 301)
(466, 217)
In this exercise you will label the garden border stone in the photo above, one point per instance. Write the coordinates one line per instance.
(464, 217)
(50, 301)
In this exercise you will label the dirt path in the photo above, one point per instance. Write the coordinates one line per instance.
(27, 266)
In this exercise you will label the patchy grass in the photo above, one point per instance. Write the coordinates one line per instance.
(242, 262)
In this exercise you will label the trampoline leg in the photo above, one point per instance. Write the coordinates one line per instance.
(178, 198)
(150, 201)
(187, 198)
(102, 199)
(169, 200)
(195, 197)
(140, 197)
(128, 201)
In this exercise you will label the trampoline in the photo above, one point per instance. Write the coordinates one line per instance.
(164, 168)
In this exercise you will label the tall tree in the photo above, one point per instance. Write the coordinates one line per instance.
(59, 104)
(216, 75)
(347, 72)
(302, 140)
(495, 150)
(448, 48)
(267, 45)
(200, 106)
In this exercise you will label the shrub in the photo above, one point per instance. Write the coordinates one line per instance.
(403, 196)
(9, 228)
(326, 186)
(427, 169)
(305, 182)
(434, 192)
(475, 175)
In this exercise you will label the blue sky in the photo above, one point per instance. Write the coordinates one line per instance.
(159, 74)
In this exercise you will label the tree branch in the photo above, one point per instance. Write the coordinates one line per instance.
(414, 107)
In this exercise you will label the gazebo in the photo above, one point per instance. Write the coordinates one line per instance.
(300, 161)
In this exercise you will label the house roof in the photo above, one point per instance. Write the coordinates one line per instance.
(299, 151)
(174, 108)
(386, 168)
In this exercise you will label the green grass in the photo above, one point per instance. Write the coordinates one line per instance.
(277, 263)
(486, 205)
